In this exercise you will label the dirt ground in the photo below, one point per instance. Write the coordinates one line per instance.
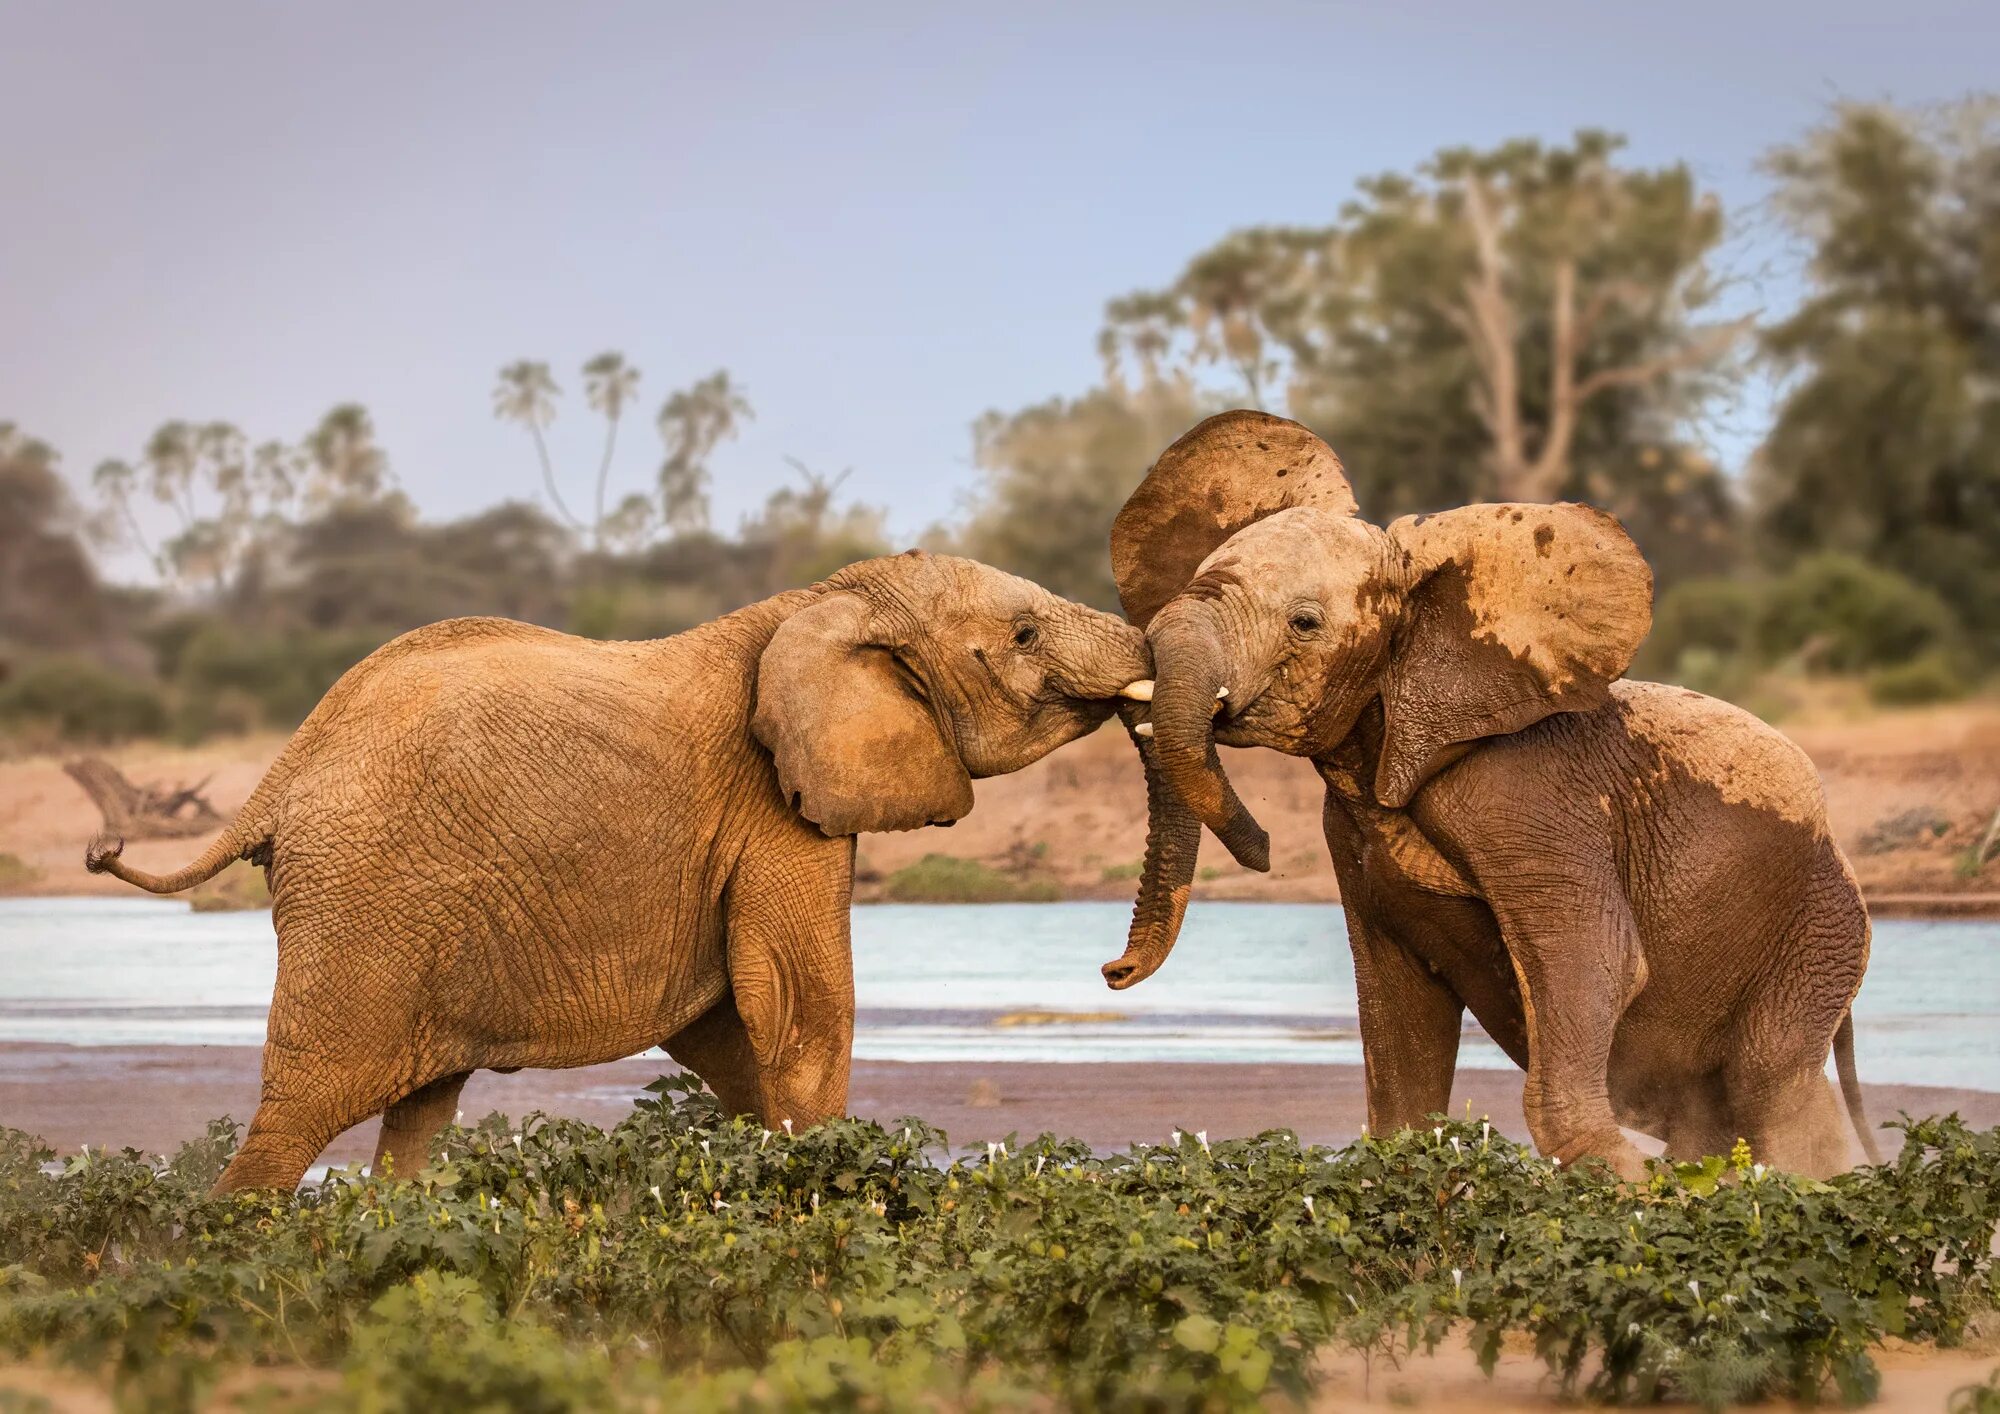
(1910, 794)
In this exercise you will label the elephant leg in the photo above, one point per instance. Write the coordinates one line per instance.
(1698, 1121)
(1577, 954)
(791, 970)
(1410, 1026)
(716, 1046)
(1793, 1122)
(409, 1125)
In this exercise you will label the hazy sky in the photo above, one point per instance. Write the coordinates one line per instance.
(882, 219)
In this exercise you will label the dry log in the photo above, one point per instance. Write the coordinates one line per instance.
(144, 812)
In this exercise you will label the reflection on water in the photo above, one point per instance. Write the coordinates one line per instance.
(1249, 982)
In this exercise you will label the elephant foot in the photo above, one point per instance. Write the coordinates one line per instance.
(1612, 1151)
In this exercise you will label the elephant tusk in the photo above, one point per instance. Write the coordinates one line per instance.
(1143, 729)
(1140, 690)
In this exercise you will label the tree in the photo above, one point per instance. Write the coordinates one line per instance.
(1056, 474)
(49, 592)
(527, 394)
(609, 383)
(1887, 442)
(346, 463)
(692, 423)
(1524, 323)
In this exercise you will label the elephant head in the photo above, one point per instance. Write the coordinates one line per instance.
(1276, 617)
(906, 678)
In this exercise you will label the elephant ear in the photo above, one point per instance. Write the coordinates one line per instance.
(1230, 470)
(856, 745)
(1515, 613)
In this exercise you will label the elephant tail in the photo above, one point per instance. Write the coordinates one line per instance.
(1850, 1086)
(102, 857)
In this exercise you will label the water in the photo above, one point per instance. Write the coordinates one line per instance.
(1249, 982)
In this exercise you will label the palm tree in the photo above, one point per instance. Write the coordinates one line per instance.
(345, 457)
(692, 423)
(609, 382)
(527, 394)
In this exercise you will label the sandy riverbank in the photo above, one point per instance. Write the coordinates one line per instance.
(152, 1098)
(1909, 793)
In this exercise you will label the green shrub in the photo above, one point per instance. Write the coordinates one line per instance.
(284, 675)
(688, 1260)
(82, 701)
(944, 878)
(1930, 677)
(1847, 615)
(1712, 617)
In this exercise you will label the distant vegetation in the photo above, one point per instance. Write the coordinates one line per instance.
(1529, 321)
(686, 1261)
(943, 878)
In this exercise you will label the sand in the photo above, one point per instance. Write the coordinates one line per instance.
(1931, 775)
(152, 1098)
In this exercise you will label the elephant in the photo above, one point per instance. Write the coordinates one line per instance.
(1631, 886)
(496, 846)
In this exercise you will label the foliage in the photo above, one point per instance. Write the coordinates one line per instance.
(1930, 677)
(559, 1266)
(79, 700)
(944, 878)
(1055, 475)
(1887, 445)
(16, 872)
(1981, 1398)
(1847, 615)
(49, 593)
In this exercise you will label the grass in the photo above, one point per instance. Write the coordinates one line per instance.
(944, 878)
(17, 873)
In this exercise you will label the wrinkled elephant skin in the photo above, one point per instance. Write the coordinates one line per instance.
(493, 846)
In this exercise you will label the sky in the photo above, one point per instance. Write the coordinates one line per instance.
(884, 220)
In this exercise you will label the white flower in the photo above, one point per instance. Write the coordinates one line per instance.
(517, 1143)
(1438, 1132)
(815, 1200)
(765, 1140)
(1174, 1140)
(720, 1205)
(1040, 1159)
(1202, 1135)
(1485, 1130)
(1638, 1215)
(1632, 1329)
(704, 1148)
(788, 1128)
(458, 1118)
(1695, 1287)
(1309, 1206)
(1757, 1172)
(1457, 1278)
(1454, 1146)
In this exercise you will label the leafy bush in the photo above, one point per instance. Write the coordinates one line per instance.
(944, 878)
(78, 700)
(1850, 616)
(702, 1262)
(1714, 617)
(284, 675)
(1930, 677)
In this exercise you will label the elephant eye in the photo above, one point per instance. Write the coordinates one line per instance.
(1026, 636)
(1306, 621)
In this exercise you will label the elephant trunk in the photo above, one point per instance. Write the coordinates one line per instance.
(1173, 838)
(1188, 662)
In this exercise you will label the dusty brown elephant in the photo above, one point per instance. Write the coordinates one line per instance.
(1631, 886)
(493, 846)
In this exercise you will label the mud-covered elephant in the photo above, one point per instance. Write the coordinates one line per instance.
(493, 845)
(1631, 886)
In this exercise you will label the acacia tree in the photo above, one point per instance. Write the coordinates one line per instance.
(1887, 443)
(1523, 323)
